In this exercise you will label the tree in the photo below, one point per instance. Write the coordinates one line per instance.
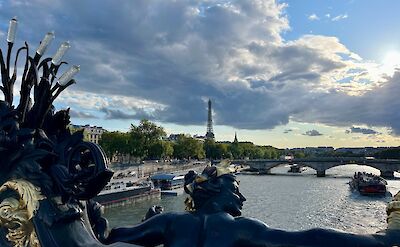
(145, 136)
(216, 150)
(299, 155)
(155, 151)
(114, 142)
(391, 153)
(168, 149)
(222, 151)
(161, 149)
(187, 147)
(248, 149)
(209, 148)
(235, 150)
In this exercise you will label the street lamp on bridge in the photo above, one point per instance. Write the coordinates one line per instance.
(47, 86)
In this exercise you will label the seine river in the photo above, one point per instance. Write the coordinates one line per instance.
(291, 202)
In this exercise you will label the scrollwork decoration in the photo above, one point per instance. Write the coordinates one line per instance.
(16, 213)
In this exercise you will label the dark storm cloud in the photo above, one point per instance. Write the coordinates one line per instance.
(117, 114)
(312, 133)
(375, 108)
(80, 114)
(364, 131)
(180, 53)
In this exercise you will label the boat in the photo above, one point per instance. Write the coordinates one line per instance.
(169, 183)
(368, 184)
(296, 169)
(125, 186)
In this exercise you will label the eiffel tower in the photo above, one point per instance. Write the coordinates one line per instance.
(210, 132)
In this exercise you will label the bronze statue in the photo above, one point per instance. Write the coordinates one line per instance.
(213, 219)
(47, 174)
(48, 177)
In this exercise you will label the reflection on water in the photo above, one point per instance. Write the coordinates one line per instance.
(293, 202)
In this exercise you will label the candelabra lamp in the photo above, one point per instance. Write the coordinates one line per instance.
(47, 174)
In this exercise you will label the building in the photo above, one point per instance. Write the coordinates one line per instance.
(172, 137)
(90, 133)
(235, 140)
(210, 131)
(200, 138)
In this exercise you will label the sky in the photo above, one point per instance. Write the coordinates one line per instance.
(282, 73)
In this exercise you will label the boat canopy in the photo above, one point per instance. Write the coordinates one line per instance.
(166, 176)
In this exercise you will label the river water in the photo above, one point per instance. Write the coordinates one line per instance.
(291, 202)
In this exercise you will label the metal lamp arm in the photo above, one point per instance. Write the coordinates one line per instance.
(54, 70)
(57, 89)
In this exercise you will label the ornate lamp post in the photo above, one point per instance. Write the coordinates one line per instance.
(47, 88)
(47, 174)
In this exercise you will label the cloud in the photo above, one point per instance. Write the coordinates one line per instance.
(312, 133)
(163, 59)
(117, 114)
(364, 131)
(313, 17)
(82, 115)
(377, 107)
(340, 17)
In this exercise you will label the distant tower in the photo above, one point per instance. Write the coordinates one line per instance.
(210, 132)
(235, 140)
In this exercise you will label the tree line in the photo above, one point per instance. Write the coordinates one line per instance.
(148, 141)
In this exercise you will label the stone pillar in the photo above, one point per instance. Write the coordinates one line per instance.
(320, 173)
(387, 174)
(265, 171)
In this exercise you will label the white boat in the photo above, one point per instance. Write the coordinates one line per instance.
(123, 186)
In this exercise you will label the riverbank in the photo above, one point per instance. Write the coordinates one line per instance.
(150, 168)
(290, 202)
(148, 195)
(144, 172)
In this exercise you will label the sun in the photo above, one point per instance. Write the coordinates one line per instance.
(390, 62)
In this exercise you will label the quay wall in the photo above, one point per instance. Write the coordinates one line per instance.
(155, 193)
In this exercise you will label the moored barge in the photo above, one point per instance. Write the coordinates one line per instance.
(368, 184)
(125, 187)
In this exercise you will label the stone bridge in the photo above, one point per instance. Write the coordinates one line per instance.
(386, 167)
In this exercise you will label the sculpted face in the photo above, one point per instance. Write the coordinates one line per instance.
(231, 199)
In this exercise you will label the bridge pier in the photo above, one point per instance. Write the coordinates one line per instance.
(387, 174)
(320, 173)
(265, 171)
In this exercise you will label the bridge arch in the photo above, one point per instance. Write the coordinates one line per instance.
(321, 169)
(280, 164)
(386, 167)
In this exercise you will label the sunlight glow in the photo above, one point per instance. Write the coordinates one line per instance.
(391, 62)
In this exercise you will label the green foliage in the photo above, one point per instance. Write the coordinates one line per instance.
(216, 150)
(168, 149)
(187, 147)
(299, 155)
(85, 133)
(391, 153)
(236, 150)
(114, 142)
(155, 150)
(145, 142)
(145, 139)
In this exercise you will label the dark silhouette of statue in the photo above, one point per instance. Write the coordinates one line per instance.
(213, 219)
(48, 177)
